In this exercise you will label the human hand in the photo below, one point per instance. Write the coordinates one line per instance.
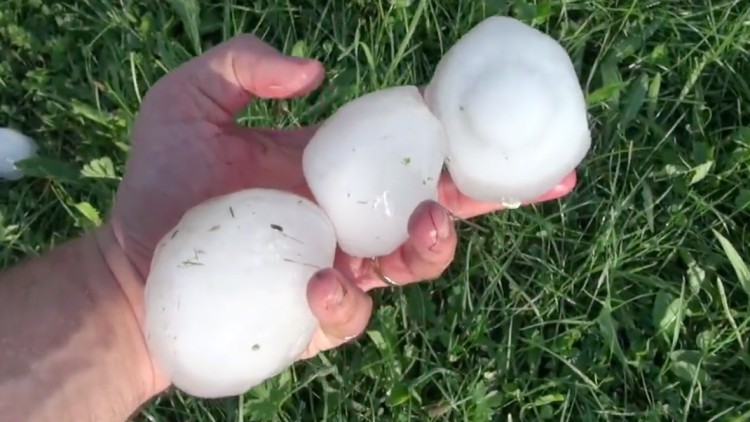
(187, 148)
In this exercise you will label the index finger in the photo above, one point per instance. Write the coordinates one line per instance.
(464, 207)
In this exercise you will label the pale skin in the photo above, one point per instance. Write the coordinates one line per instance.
(71, 339)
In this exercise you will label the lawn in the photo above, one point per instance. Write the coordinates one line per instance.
(627, 300)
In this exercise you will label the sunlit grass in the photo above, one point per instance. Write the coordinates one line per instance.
(627, 300)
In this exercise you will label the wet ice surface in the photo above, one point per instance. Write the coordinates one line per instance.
(371, 164)
(226, 296)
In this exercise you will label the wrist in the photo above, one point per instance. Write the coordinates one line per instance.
(131, 284)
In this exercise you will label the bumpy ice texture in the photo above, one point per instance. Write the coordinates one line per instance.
(513, 110)
(14, 147)
(226, 304)
(370, 165)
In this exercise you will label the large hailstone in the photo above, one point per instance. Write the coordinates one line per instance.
(513, 110)
(226, 304)
(370, 165)
(14, 147)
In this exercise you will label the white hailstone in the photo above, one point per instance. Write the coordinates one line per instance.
(513, 111)
(14, 147)
(371, 164)
(226, 301)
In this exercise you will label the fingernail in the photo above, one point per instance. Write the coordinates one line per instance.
(347, 339)
(298, 59)
(335, 291)
(557, 192)
(440, 223)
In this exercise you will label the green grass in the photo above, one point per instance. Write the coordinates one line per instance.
(627, 300)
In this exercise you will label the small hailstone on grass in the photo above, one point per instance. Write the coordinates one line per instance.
(226, 301)
(513, 111)
(371, 164)
(14, 147)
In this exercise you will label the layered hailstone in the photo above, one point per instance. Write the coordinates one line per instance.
(513, 110)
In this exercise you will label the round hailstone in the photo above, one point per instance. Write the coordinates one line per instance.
(226, 297)
(513, 110)
(371, 164)
(14, 147)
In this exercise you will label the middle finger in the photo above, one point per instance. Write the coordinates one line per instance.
(425, 255)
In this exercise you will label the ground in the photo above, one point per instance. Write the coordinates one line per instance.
(627, 300)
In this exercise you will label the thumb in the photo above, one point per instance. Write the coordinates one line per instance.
(221, 82)
(342, 309)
